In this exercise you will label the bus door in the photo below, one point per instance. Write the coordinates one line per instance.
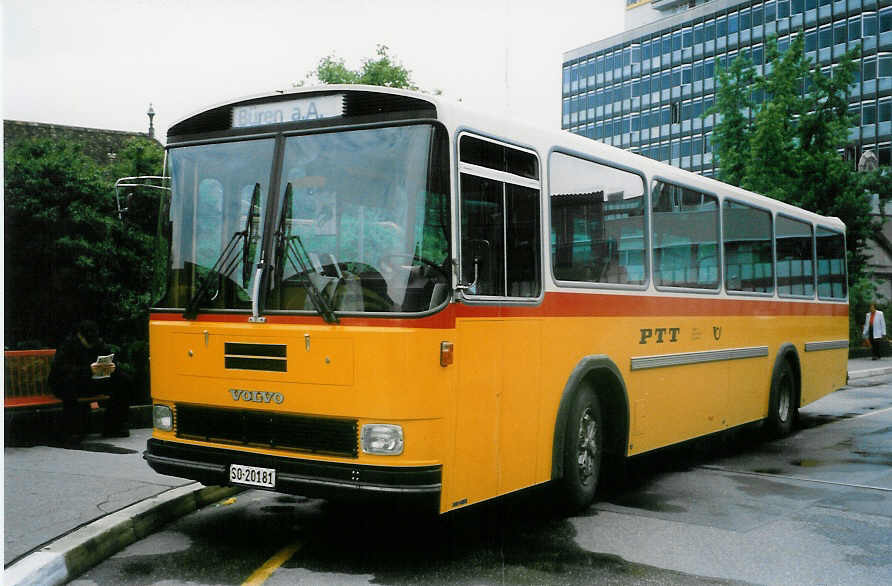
(499, 337)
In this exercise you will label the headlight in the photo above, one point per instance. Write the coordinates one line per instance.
(162, 417)
(382, 439)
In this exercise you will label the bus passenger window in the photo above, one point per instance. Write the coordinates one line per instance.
(795, 271)
(747, 242)
(685, 237)
(831, 248)
(597, 223)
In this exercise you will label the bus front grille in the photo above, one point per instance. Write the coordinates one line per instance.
(281, 431)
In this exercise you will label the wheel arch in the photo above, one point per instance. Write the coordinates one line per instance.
(601, 374)
(788, 352)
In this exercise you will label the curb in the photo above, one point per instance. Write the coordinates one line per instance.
(73, 554)
(869, 372)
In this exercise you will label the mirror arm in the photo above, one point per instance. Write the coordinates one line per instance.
(255, 294)
(465, 286)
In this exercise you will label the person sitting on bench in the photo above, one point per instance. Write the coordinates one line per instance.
(77, 372)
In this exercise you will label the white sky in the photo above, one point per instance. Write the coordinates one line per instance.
(98, 63)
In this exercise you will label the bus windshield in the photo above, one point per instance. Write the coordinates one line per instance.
(218, 193)
(360, 219)
(364, 217)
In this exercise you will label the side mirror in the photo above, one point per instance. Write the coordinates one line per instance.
(478, 249)
(125, 187)
(123, 204)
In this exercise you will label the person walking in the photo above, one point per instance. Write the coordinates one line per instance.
(874, 330)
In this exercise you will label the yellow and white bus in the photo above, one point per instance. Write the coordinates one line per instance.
(371, 290)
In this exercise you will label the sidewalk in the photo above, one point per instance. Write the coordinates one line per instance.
(90, 497)
(70, 508)
(866, 368)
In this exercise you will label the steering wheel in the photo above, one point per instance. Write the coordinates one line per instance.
(413, 257)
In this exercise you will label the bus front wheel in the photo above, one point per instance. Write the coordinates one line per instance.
(583, 447)
(782, 401)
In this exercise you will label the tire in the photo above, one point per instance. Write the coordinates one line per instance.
(583, 449)
(782, 401)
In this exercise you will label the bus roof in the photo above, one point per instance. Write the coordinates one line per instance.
(457, 117)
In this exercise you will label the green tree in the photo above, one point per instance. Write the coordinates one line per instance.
(59, 246)
(68, 256)
(786, 144)
(734, 105)
(382, 69)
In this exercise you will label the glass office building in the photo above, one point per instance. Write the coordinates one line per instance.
(646, 89)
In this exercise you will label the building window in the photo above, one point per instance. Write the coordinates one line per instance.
(783, 44)
(884, 110)
(869, 24)
(840, 33)
(825, 37)
(886, 20)
(869, 69)
(675, 112)
(885, 153)
(868, 113)
(811, 41)
(855, 29)
(757, 55)
(783, 8)
(733, 23)
(884, 67)
(745, 23)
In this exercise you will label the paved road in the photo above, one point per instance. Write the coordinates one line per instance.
(813, 508)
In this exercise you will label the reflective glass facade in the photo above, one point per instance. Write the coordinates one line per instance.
(646, 89)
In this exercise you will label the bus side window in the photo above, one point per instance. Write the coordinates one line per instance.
(597, 222)
(795, 270)
(831, 247)
(685, 237)
(500, 216)
(747, 245)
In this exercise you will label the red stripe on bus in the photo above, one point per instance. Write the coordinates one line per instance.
(600, 305)
(442, 320)
(562, 305)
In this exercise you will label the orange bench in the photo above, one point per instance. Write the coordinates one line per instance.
(27, 395)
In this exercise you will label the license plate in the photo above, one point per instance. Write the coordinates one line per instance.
(252, 476)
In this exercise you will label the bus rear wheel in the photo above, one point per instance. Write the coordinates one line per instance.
(583, 448)
(782, 401)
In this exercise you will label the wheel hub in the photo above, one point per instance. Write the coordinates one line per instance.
(587, 446)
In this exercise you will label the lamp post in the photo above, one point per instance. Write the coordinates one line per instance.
(151, 115)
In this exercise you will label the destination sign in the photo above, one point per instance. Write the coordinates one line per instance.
(301, 110)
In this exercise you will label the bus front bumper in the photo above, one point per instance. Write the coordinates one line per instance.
(310, 478)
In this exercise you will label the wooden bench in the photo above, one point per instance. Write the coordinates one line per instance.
(28, 398)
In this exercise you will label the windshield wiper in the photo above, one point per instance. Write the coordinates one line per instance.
(226, 262)
(294, 252)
